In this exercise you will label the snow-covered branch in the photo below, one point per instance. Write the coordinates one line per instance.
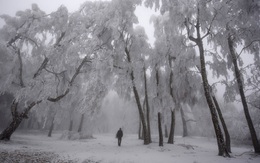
(210, 25)
(188, 31)
(43, 66)
(20, 68)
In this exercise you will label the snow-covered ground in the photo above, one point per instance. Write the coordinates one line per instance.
(103, 149)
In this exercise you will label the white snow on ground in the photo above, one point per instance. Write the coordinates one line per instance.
(104, 149)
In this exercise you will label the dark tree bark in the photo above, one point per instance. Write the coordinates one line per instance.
(227, 136)
(6, 134)
(171, 136)
(160, 130)
(214, 116)
(222, 150)
(138, 102)
(147, 106)
(184, 123)
(242, 95)
(17, 118)
(81, 122)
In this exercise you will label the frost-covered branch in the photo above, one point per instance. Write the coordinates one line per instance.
(20, 68)
(210, 26)
(55, 99)
(43, 66)
(17, 36)
(58, 98)
(24, 114)
(190, 120)
(188, 31)
(59, 39)
(30, 40)
(86, 59)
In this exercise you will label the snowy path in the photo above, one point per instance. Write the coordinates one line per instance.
(104, 149)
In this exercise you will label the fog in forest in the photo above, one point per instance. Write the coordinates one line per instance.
(130, 81)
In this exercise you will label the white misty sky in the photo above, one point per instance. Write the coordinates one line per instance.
(10, 7)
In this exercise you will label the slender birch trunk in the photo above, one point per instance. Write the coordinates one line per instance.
(242, 96)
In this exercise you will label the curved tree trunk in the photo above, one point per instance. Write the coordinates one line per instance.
(242, 95)
(6, 134)
(227, 136)
(160, 130)
(171, 136)
(17, 119)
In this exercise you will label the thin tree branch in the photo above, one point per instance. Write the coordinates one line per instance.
(55, 99)
(43, 66)
(17, 36)
(210, 25)
(30, 40)
(188, 31)
(247, 47)
(59, 39)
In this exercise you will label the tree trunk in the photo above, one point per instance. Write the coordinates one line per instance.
(222, 151)
(81, 122)
(147, 106)
(171, 136)
(165, 131)
(242, 95)
(71, 125)
(227, 136)
(140, 130)
(160, 130)
(184, 123)
(17, 119)
(7, 133)
(214, 116)
(51, 128)
(138, 102)
(142, 117)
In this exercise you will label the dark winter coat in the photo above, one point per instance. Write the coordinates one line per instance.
(119, 134)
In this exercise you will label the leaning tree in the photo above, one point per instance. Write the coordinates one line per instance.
(45, 53)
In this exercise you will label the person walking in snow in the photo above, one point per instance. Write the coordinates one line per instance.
(119, 136)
